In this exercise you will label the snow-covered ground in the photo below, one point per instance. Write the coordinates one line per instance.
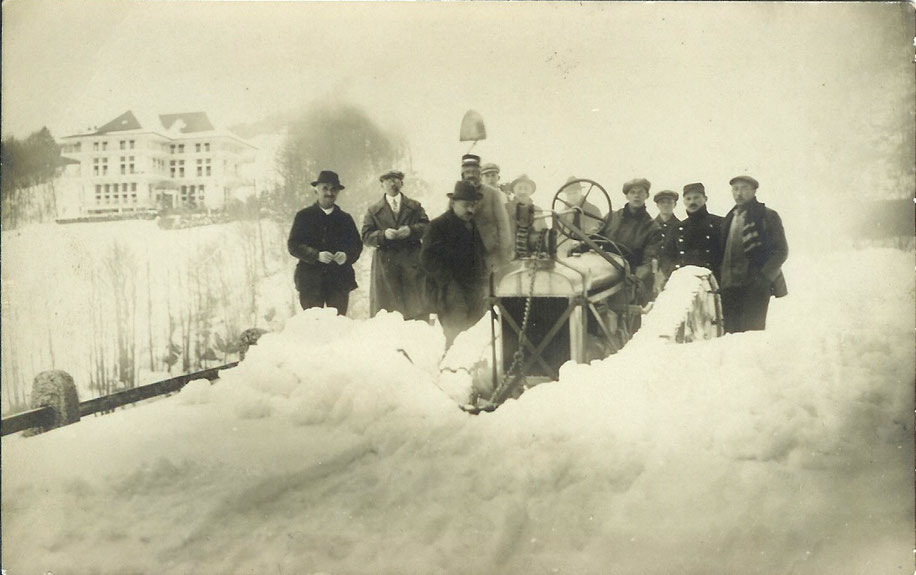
(330, 449)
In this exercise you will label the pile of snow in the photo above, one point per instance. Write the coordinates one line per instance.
(331, 449)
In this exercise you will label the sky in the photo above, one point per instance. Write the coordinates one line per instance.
(795, 94)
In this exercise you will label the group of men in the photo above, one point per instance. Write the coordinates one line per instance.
(442, 266)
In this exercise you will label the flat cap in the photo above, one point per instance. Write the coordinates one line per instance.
(747, 179)
(697, 187)
(665, 195)
(523, 179)
(487, 168)
(638, 182)
(391, 175)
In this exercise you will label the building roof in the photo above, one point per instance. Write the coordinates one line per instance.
(172, 126)
(126, 121)
(187, 122)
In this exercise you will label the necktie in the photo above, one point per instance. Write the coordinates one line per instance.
(394, 205)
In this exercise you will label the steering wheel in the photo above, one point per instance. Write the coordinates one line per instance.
(564, 225)
(611, 246)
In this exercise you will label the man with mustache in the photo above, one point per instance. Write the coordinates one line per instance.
(694, 241)
(325, 240)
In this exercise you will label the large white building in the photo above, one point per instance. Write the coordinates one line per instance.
(136, 164)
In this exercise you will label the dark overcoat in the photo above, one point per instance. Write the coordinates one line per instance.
(397, 278)
(694, 242)
(774, 249)
(454, 259)
(639, 233)
(314, 231)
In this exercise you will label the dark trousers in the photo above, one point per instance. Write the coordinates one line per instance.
(330, 296)
(745, 308)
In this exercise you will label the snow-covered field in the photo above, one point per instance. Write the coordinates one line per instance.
(329, 451)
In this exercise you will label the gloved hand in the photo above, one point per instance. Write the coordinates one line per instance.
(391, 234)
(403, 232)
(340, 258)
(325, 257)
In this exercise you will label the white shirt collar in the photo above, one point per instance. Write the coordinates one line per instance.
(390, 200)
(328, 211)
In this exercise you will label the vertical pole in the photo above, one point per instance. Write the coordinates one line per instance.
(493, 333)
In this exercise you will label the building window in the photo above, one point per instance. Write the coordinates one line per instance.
(95, 146)
(172, 168)
(104, 166)
(181, 169)
(104, 146)
(95, 166)
(98, 193)
(123, 165)
(206, 146)
(197, 147)
(123, 145)
(180, 148)
(172, 149)
(200, 167)
(131, 165)
(131, 144)
(208, 166)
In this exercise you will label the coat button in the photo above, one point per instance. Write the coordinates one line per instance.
(681, 252)
(707, 237)
(707, 251)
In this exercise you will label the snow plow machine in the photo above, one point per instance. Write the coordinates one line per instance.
(552, 304)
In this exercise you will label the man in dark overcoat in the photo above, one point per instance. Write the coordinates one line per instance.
(454, 259)
(754, 247)
(634, 229)
(394, 226)
(665, 201)
(694, 241)
(325, 240)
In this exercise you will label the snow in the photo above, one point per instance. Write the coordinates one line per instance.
(331, 449)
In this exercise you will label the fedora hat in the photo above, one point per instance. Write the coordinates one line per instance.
(328, 177)
(465, 191)
(523, 179)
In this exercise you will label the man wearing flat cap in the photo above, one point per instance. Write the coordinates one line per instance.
(632, 227)
(491, 217)
(325, 240)
(454, 259)
(695, 241)
(754, 248)
(587, 217)
(394, 226)
(665, 201)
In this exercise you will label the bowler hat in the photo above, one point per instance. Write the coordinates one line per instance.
(470, 160)
(747, 179)
(465, 191)
(328, 177)
(391, 175)
(697, 187)
(523, 179)
(487, 168)
(638, 182)
(665, 195)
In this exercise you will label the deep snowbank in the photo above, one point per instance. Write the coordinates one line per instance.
(330, 449)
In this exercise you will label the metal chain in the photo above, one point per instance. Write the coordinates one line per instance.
(519, 354)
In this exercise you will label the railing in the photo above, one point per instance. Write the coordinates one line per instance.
(45, 416)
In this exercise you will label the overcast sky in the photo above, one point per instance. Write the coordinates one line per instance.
(794, 94)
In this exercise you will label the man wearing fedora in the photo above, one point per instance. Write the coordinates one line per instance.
(754, 248)
(325, 240)
(454, 259)
(394, 226)
(491, 218)
(522, 188)
(587, 217)
(694, 241)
